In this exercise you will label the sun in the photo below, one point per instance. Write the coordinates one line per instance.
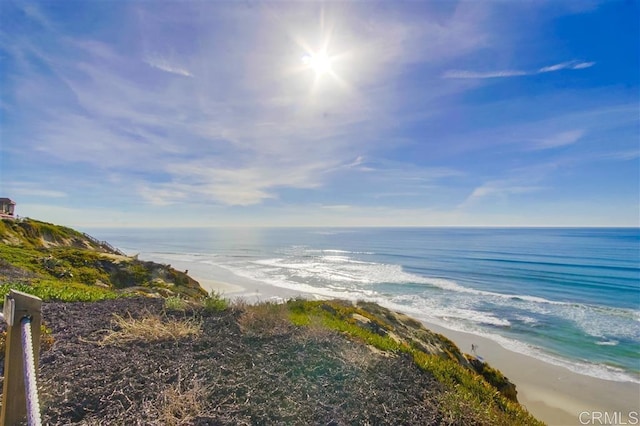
(319, 62)
(323, 62)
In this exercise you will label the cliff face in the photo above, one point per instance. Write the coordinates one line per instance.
(393, 332)
(41, 257)
(412, 333)
(31, 233)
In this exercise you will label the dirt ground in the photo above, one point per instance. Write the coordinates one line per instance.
(222, 377)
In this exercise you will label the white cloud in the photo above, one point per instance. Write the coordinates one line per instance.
(570, 65)
(164, 65)
(632, 154)
(500, 189)
(465, 74)
(583, 65)
(340, 207)
(490, 74)
(559, 139)
(25, 189)
(203, 181)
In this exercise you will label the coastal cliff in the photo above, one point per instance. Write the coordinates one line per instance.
(181, 357)
(59, 263)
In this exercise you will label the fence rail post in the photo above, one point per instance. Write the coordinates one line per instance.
(18, 305)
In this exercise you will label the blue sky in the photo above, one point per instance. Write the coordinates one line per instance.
(480, 113)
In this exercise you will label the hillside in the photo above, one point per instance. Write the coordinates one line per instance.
(59, 263)
(181, 357)
(143, 361)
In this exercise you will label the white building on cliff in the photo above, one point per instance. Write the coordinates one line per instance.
(7, 208)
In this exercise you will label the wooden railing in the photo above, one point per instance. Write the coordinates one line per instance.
(22, 313)
(103, 244)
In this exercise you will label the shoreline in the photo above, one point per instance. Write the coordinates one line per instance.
(550, 392)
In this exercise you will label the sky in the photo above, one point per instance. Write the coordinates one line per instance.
(277, 113)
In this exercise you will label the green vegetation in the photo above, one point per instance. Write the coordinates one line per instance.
(132, 274)
(214, 302)
(175, 303)
(265, 320)
(55, 290)
(34, 233)
(58, 263)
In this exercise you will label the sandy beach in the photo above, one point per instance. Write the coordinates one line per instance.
(552, 393)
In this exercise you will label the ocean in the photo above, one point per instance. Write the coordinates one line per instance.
(566, 296)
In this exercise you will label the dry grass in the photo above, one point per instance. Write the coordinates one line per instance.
(315, 331)
(176, 404)
(150, 328)
(265, 319)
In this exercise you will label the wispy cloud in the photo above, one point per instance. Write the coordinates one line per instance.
(465, 74)
(241, 186)
(250, 122)
(559, 139)
(24, 189)
(339, 207)
(632, 154)
(164, 65)
(571, 65)
(500, 189)
(489, 74)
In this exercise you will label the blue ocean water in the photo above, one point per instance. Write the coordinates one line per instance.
(568, 296)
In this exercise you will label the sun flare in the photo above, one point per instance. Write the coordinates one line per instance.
(319, 62)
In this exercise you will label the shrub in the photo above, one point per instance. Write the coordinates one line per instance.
(135, 274)
(214, 302)
(175, 303)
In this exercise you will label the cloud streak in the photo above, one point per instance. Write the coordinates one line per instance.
(464, 74)
(164, 65)
(571, 65)
(499, 189)
(559, 139)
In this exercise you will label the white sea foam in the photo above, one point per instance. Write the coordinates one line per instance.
(599, 371)
(608, 343)
(527, 320)
(339, 251)
(341, 268)
(347, 269)
(453, 286)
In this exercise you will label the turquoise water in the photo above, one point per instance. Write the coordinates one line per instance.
(568, 296)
